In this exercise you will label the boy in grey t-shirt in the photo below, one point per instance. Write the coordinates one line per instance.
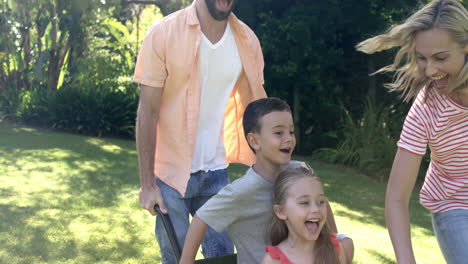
(244, 207)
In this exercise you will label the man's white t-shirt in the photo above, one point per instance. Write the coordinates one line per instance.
(220, 67)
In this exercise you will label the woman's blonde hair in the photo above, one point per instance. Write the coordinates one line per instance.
(444, 14)
(325, 252)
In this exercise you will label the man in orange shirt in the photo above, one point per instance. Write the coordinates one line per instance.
(198, 69)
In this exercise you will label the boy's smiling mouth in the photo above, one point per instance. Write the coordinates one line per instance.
(286, 150)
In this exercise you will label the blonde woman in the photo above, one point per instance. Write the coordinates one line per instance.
(430, 67)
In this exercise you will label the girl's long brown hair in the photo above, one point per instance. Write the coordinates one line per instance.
(325, 252)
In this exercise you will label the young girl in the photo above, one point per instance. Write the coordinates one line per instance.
(431, 66)
(299, 231)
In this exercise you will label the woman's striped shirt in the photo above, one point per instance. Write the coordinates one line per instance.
(443, 125)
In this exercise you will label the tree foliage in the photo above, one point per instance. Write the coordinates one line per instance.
(310, 58)
(89, 47)
(42, 39)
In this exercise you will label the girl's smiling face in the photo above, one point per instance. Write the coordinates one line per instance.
(305, 210)
(440, 58)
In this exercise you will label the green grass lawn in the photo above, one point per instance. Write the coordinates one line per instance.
(73, 199)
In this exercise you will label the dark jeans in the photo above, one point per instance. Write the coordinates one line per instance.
(201, 187)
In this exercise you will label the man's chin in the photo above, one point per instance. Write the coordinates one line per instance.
(217, 14)
(221, 16)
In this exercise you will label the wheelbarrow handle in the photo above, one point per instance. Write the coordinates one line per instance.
(166, 220)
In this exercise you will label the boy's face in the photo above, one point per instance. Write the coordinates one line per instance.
(275, 141)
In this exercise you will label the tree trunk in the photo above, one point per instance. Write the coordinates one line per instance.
(8, 51)
(77, 42)
(37, 80)
(297, 118)
(52, 73)
(2, 77)
(61, 59)
(27, 59)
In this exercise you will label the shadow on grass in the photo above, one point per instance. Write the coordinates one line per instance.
(381, 258)
(16, 223)
(94, 173)
(36, 242)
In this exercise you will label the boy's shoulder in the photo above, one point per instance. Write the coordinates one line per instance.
(253, 182)
(248, 183)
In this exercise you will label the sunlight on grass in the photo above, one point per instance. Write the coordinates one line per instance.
(101, 143)
(358, 206)
(74, 199)
(71, 199)
(373, 241)
(24, 129)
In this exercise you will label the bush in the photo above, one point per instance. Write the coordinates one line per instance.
(10, 100)
(77, 109)
(34, 107)
(367, 143)
(96, 112)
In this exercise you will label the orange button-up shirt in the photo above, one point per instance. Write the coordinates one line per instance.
(169, 58)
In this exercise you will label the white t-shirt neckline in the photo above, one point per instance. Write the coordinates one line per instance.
(212, 45)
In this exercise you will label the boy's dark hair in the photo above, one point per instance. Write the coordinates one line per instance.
(258, 109)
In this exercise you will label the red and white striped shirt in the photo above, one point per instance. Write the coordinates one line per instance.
(442, 124)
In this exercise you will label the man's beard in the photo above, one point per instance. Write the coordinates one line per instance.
(215, 13)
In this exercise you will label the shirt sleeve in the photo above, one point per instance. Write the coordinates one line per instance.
(150, 68)
(336, 243)
(413, 136)
(222, 209)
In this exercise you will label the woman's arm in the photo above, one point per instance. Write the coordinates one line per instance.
(193, 239)
(400, 186)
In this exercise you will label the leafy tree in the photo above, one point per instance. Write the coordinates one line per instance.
(166, 6)
(44, 38)
(310, 58)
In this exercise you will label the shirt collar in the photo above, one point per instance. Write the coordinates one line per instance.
(192, 18)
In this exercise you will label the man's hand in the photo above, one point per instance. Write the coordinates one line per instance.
(151, 196)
